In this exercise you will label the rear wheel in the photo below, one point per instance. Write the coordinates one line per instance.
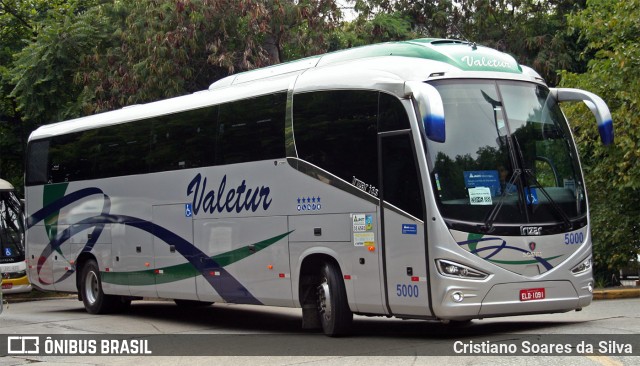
(333, 308)
(94, 299)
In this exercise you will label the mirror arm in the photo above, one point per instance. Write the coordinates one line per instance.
(597, 106)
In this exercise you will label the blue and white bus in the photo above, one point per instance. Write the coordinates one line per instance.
(426, 179)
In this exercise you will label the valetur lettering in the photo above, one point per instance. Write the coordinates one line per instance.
(236, 199)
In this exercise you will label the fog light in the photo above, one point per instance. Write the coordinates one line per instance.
(457, 296)
(590, 287)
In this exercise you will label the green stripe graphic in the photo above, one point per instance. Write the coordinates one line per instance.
(186, 270)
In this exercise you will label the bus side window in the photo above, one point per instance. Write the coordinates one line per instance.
(401, 182)
(38, 161)
(337, 131)
(252, 129)
(183, 140)
(393, 116)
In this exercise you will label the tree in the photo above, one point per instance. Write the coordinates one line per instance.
(611, 31)
(167, 48)
(20, 22)
(531, 30)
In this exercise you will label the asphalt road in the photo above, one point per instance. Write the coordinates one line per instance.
(238, 335)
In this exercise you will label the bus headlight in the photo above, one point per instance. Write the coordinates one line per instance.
(584, 266)
(452, 269)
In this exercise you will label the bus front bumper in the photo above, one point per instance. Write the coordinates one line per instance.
(510, 299)
(16, 285)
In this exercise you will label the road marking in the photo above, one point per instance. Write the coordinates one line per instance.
(604, 360)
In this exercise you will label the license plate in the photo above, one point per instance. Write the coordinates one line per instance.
(532, 294)
(7, 286)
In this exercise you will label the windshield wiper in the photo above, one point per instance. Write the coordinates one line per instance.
(493, 214)
(528, 172)
(565, 218)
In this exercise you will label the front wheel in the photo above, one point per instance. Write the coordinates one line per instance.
(333, 307)
(94, 299)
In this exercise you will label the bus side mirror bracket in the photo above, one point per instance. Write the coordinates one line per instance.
(597, 106)
(430, 108)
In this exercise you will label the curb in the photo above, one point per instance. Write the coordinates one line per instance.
(17, 300)
(623, 293)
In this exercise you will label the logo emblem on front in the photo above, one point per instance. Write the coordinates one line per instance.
(532, 246)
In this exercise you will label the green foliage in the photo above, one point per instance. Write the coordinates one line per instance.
(531, 30)
(44, 70)
(165, 48)
(382, 27)
(21, 21)
(611, 31)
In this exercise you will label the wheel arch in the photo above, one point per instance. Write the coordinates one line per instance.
(308, 274)
(82, 259)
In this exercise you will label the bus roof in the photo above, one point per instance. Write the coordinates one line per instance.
(462, 55)
(424, 59)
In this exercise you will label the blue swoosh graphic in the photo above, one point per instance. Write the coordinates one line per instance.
(229, 288)
(498, 248)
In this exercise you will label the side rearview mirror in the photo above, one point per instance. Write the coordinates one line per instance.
(430, 108)
(597, 106)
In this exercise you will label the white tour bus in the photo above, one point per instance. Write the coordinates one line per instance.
(13, 270)
(429, 179)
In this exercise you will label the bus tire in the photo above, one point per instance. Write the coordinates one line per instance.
(192, 303)
(333, 307)
(94, 299)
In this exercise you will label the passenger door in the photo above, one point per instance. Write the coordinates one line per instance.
(403, 228)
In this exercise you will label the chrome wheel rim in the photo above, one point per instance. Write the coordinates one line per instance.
(324, 299)
(91, 287)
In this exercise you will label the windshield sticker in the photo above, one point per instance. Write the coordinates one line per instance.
(363, 239)
(483, 178)
(8, 252)
(532, 195)
(480, 196)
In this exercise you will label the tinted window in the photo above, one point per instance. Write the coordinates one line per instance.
(401, 181)
(337, 131)
(392, 114)
(248, 130)
(252, 129)
(183, 140)
(37, 162)
(121, 149)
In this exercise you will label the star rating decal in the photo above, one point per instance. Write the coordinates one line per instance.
(309, 203)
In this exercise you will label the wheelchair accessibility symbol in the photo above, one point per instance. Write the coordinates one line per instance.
(188, 211)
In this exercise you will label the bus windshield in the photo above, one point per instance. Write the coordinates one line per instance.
(11, 228)
(508, 157)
